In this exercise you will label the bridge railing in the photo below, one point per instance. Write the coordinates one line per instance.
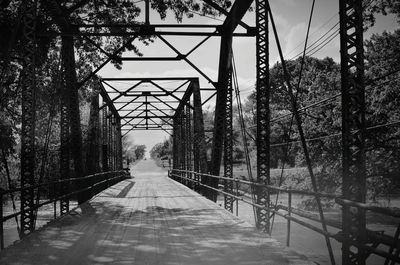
(92, 184)
(305, 218)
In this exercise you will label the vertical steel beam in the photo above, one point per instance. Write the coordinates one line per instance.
(64, 144)
(183, 142)
(228, 145)
(119, 141)
(175, 145)
(189, 141)
(263, 114)
(109, 146)
(147, 12)
(105, 140)
(200, 155)
(178, 143)
(220, 108)
(28, 85)
(353, 126)
(64, 149)
(92, 154)
(68, 61)
(116, 143)
(112, 142)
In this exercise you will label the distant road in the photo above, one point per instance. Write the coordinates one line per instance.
(147, 166)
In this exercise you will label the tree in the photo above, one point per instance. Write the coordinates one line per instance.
(140, 151)
(162, 150)
(383, 7)
(382, 54)
(131, 151)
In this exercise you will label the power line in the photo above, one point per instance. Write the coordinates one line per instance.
(328, 39)
(319, 39)
(393, 123)
(314, 32)
(325, 100)
(326, 43)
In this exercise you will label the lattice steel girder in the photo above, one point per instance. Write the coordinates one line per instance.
(263, 114)
(175, 143)
(200, 155)
(68, 62)
(189, 143)
(236, 13)
(107, 100)
(148, 117)
(180, 26)
(147, 79)
(92, 154)
(353, 125)
(64, 144)
(220, 113)
(109, 143)
(105, 167)
(228, 146)
(135, 33)
(64, 147)
(183, 142)
(119, 135)
(28, 86)
(185, 99)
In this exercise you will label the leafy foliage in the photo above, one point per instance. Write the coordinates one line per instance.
(383, 7)
(162, 150)
(382, 56)
(131, 151)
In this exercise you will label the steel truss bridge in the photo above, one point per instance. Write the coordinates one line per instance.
(148, 104)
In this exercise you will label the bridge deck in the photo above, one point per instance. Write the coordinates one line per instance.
(149, 219)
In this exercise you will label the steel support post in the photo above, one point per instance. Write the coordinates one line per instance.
(220, 111)
(178, 143)
(228, 146)
(68, 61)
(112, 142)
(175, 144)
(28, 86)
(116, 144)
(189, 141)
(92, 154)
(64, 145)
(119, 141)
(200, 155)
(105, 140)
(263, 114)
(183, 143)
(353, 127)
(109, 146)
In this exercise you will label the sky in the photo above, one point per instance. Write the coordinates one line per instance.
(291, 18)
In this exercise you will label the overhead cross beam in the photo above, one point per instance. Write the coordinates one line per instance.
(141, 31)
